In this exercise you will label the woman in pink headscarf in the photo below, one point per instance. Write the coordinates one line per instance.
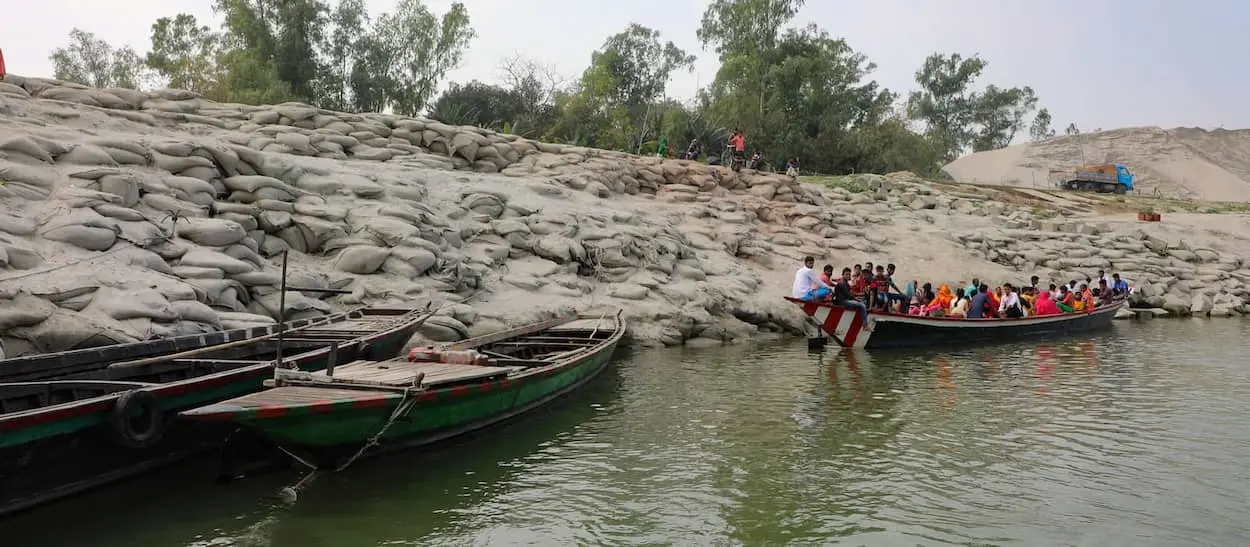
(1045, 305)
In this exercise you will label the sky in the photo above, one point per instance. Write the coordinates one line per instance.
(1097, 63)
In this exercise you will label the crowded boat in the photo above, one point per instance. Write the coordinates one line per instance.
(872, 287)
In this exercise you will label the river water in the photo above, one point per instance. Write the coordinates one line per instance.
(1138, 436)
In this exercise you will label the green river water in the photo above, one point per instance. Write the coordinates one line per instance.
(1136, 437)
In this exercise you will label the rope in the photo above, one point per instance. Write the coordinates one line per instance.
(405, 405)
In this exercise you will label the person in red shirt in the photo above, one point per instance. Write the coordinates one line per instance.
(739, 143)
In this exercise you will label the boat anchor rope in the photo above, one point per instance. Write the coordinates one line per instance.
(402, 409)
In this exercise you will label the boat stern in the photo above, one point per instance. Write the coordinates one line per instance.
(848, 326)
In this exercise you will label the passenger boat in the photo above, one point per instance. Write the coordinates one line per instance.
(327, 420)
(98, 421)
(882, 330)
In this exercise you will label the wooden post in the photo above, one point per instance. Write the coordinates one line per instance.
(281, 312)
(331, 357)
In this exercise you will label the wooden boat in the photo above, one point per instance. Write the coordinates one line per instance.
(882, 330)
(329, 419)
(99, 422)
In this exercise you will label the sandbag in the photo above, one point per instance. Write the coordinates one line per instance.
(87, 154)
(118, 212)
(190, 310)
(15, 225)
(25, 145)
(85, 237)
(24, 310)
(38, 177)
(421, 260)
(361, 259)
(65, 330)
(207, 258)
(140, 304)
(212, 232)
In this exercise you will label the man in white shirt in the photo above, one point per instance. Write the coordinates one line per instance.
(807, 284)
(1010, 306)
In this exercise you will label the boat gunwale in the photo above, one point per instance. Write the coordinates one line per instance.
(32, 364)
(38, 416)
(965, 322)
(382, 398)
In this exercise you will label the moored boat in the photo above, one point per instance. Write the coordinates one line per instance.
(98, 422)
(329, 419)
(878, 330)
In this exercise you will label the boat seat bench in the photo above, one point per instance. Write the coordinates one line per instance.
(403, 373)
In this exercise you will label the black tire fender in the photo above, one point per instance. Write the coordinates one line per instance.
(144, 429)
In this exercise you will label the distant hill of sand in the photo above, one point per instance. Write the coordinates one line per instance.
(1182, 162)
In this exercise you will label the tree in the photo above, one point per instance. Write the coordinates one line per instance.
(958, 118)
(476, 103)
(88, 60)
(630, 72)
(343, 49)
(187, 54)
(1040, 130)
(419, 49)
(735, 27)
(1072, 130)
(537, 82)
(999, 116)
(282, 34)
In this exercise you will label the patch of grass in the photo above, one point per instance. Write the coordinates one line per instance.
(850, 183)
(1042, 213)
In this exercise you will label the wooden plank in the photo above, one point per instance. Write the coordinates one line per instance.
(293, 395)
(402, 373)
(584, 343)
(606, 324)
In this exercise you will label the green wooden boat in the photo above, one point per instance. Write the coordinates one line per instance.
(329, 419)
(101, 421)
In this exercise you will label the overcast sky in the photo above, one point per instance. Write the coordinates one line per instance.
(1099, 63)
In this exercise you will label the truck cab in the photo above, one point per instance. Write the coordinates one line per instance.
(1124, 176)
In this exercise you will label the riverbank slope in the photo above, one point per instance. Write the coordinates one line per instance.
(129, 215)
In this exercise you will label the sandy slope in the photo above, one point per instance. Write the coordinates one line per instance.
(1182, 162)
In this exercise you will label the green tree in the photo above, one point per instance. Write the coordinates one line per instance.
(629, 73)
(418, 49)
(88, 60)
(999, 116)
(282, 34)
(476, 103)
(1041, 130)
(186, 55)
(959, 118)
(344, 47)
(736, 27)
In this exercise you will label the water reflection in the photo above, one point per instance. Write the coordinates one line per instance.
(1128, 437)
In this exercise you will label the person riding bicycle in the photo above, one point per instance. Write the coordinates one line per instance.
(692, 152)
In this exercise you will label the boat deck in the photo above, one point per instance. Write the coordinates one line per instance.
(602, 324)
(292, 396)
(399, 373)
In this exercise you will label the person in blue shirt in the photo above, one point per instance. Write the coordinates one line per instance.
(1119, 287)
(980, 301)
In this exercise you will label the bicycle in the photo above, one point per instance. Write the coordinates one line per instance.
(730, 158)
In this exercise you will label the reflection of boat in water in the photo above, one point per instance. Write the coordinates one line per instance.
(878, 330)
(440, 484)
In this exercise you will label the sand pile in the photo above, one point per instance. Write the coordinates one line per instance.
(1183, 162)
(130, 215)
